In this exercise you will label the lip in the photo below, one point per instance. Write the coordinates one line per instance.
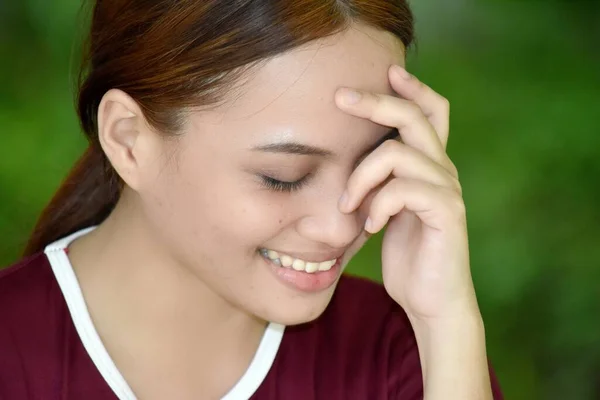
(311, 257)
(304, 281)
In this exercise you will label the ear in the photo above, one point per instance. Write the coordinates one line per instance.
(125, 136)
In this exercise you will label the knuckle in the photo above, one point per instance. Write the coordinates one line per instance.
(413, 113)
(456, 203)
(457, 186)
(378, 99)
(413, 110)
(381, 107)
(455, 174)
(390, 190)
(444, 103)
(391, 145)
(453, 170)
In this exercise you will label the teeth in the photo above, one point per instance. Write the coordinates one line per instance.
(312, 267)
(326, 266)
(296, 263)
(287, 261)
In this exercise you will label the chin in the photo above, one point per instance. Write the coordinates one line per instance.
(299, 310)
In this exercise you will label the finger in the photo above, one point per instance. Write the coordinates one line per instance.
(436, 108)
(414, 128)
(395, 159)
(437, 207)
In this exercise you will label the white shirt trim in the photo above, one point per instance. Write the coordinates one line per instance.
(67, 281)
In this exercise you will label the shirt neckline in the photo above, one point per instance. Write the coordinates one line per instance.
(67, 280)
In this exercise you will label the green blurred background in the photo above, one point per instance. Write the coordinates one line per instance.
(524, 81)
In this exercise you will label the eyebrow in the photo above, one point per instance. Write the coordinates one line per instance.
(307, 150)
(293, 148)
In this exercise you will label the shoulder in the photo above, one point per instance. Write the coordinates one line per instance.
(41, 355)
(22, 281)
(30, 299)
(25, 285)
(31, 305)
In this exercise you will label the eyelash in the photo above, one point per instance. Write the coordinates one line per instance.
(281, 186)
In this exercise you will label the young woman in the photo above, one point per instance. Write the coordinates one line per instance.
(240, 153)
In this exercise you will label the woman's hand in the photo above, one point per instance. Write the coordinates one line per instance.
(412, 187)
(416, 192)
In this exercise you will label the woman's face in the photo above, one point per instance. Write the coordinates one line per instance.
(219, 203)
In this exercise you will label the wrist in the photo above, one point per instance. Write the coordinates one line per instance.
(453, 356)
(450, 337)
(458, 318)
(453, 333)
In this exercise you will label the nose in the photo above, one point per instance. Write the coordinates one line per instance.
(325, 224)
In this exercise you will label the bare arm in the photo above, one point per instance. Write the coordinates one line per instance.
(453, 359)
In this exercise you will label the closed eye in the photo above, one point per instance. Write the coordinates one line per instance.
(283, 186)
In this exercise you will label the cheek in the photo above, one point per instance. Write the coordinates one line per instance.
(217, 212)
(248, 218)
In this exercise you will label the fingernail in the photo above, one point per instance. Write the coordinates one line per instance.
(351, 97)
(343, 204)
(369, 225)
(402, 72)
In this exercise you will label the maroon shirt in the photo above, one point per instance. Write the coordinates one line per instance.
(362, 347)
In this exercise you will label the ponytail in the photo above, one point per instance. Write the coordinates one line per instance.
(85, 198)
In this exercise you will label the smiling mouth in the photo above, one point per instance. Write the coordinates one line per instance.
(297, 264)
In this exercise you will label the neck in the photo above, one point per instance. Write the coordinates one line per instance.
(142, 300)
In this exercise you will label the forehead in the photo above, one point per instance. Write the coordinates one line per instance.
(293, 94)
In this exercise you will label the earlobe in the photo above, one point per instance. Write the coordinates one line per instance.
(120, 124)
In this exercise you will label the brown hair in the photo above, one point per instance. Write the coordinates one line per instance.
(173, 55)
